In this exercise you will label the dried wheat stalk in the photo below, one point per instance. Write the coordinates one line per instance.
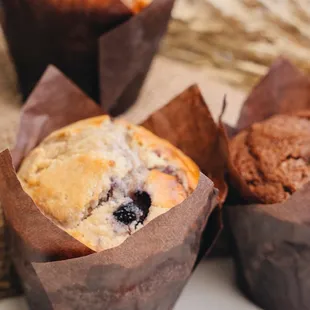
(239, 39)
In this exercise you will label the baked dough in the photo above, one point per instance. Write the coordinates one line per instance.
(102, 179)
(273, 156)
(137, 5)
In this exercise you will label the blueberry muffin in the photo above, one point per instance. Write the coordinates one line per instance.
(273, 157)
(101, 179)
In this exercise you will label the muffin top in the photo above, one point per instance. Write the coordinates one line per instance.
(102, 179)
(273, 157)
(137, 5)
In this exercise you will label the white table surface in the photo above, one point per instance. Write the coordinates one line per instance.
(211, 287)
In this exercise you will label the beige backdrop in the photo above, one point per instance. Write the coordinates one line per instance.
(238, 39)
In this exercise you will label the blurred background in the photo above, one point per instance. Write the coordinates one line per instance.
(233, 41)
(238, 39)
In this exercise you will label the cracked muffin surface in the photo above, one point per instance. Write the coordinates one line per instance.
(102, 179)
(273, 157)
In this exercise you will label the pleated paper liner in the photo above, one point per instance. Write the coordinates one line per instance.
(187, 123)
(271, 242)
(147, 271)
(102, 45)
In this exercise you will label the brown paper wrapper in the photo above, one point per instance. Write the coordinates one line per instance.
(148, 271)
(86, 40)
(187, 123)
(126, 54)
(271, 243)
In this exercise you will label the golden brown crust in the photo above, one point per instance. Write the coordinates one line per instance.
(76, 169)
(273, 156)
(137, 5)
(161, 186)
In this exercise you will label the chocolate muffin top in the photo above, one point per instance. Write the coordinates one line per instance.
(273, 157)
(101, 179)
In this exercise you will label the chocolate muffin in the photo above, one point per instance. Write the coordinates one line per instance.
(273, 157)
(101, 179)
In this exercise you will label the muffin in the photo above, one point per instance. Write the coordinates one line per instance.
(102, 180)
(273, 156)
